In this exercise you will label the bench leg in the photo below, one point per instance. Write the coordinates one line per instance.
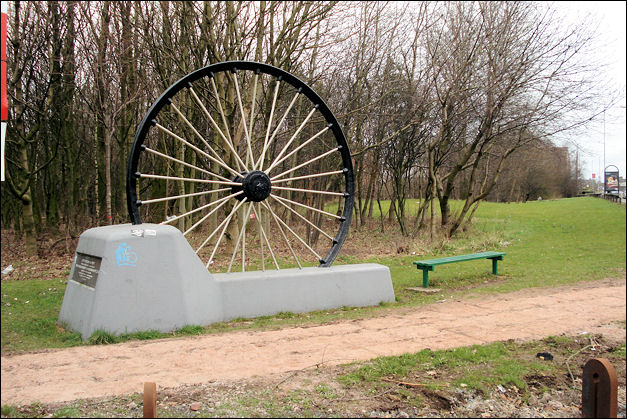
(494, 266)
(425, 278)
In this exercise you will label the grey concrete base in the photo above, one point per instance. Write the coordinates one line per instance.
(130, 278)
(149, 279)
(252, 294)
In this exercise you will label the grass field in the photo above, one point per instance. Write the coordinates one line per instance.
(548, 243)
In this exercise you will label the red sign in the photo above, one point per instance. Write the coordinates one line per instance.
(594, 176)
(4, 105)
(3, 37)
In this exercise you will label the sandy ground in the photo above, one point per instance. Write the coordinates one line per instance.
(95, 371)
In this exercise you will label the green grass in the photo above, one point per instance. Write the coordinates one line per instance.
(9, 411)
(477, 367)
(548, 243)
(29, 315)
(66, 412)
(39, 410)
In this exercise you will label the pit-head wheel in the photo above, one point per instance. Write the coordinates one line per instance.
(250, 163)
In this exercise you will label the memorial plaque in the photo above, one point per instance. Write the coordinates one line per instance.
(86, 269)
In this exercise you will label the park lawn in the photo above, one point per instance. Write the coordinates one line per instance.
(548, 243)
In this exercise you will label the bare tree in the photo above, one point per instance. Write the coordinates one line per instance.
(503, 75)
(32, 68)
(436, 99)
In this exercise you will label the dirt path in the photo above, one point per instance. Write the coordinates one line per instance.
(94, 371)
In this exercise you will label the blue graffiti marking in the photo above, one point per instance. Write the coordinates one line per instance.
(124, 256)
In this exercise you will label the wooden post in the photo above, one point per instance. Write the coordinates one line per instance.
(150, 400)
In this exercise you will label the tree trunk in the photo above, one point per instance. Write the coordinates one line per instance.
(96, 212)
(21, 187)
(433, 194)
(107, 147)
(27, 212)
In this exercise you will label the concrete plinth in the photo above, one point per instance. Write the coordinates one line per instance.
(130, 278)
(252, 294)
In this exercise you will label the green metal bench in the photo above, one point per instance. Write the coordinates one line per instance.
(427, 265)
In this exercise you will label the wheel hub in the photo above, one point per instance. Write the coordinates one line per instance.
(256, 186)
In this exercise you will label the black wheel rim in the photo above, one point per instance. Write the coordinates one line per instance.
(243, 132)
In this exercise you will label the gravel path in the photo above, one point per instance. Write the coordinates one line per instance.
(95, 371)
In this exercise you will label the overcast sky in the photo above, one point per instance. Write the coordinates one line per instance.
(611, 31)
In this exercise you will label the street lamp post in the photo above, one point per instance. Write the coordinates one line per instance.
(604, 151)
(604, 167)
